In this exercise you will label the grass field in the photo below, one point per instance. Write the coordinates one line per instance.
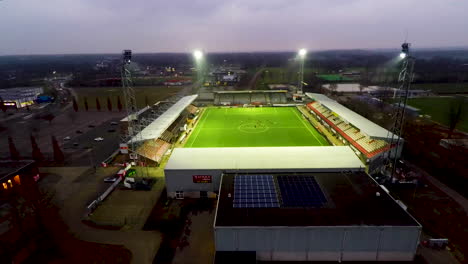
(254, 127)
(333, 77)
(439, 107)
(448, 88)
(153, 93)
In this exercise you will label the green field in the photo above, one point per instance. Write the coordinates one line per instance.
(439, 107)
(254, 127)
(333, 77)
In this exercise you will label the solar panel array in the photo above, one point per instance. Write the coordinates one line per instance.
(255, 191)
(300, 191)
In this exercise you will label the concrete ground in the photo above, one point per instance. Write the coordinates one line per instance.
(73, 188)
(201, 246)
(129, 208)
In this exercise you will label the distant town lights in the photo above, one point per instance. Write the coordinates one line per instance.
(198, 54)
(302, 52)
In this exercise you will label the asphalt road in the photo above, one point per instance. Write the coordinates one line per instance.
(89, 152)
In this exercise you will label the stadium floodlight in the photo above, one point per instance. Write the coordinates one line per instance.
(198, 54)
(404, 50)
(302, 53)
(127, 56)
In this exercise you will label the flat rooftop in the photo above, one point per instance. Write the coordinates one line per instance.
(322, 158)
(343, 199)
(10, 167)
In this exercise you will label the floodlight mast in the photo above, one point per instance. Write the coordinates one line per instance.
(302, 54)
(395, 138)
(130, 103)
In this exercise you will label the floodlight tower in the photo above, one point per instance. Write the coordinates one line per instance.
(395, 137)
(302, 55)
(198, 56)
(130, 100)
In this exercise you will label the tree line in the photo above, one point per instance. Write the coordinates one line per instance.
(36, 152)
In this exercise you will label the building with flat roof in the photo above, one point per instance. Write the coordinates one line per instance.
(19, 226)
(320, 216)
(19, 97)
(196, 172)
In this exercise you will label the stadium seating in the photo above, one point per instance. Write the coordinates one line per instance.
(154, 149)
(367, 146)
(192, 109)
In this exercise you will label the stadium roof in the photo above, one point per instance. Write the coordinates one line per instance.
(365, 125)
(158, 126)
(350, 199)
(125, 119)
(329, 158)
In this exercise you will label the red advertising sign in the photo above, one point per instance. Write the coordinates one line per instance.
(201, 178)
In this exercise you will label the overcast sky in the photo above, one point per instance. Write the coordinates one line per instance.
(108, 26)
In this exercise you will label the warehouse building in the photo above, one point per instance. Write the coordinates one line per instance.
(20, 96)
(321, 216)
(293, 204)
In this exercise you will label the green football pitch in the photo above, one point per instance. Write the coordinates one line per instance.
(254, 127)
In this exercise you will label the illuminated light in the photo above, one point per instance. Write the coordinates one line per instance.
(197, 54)
(402, 55)
(11, 184)
(5, 186)
(17, 179)
(302, 52)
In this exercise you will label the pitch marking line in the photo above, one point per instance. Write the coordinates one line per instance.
(308, 128)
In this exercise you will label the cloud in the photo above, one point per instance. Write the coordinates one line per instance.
(90, 26)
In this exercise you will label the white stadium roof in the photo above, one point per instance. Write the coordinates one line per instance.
(365, 125)
(329, 158)
(158, 126)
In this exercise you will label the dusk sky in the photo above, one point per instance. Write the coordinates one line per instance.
(108, 26)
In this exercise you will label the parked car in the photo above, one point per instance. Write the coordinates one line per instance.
(111, 179)
(114, 123)
(91, 126)
(66, 138)
(75, 144)
(111, 130)
(79, 132)
(99, 139)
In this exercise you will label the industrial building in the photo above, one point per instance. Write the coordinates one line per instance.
(293, 204)
(19, 97)
(321, 216)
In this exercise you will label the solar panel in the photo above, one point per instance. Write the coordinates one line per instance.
(300, 191)
(255, 191)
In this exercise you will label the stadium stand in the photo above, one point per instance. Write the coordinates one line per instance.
(192, 109)
(265, 97)
(154, 149)
(367, 145)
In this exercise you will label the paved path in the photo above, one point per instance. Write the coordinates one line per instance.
(201, 246)
(462, 201)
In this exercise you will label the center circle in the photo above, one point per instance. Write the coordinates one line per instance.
(253, 127)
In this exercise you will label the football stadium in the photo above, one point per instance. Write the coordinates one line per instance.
(291, 180)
